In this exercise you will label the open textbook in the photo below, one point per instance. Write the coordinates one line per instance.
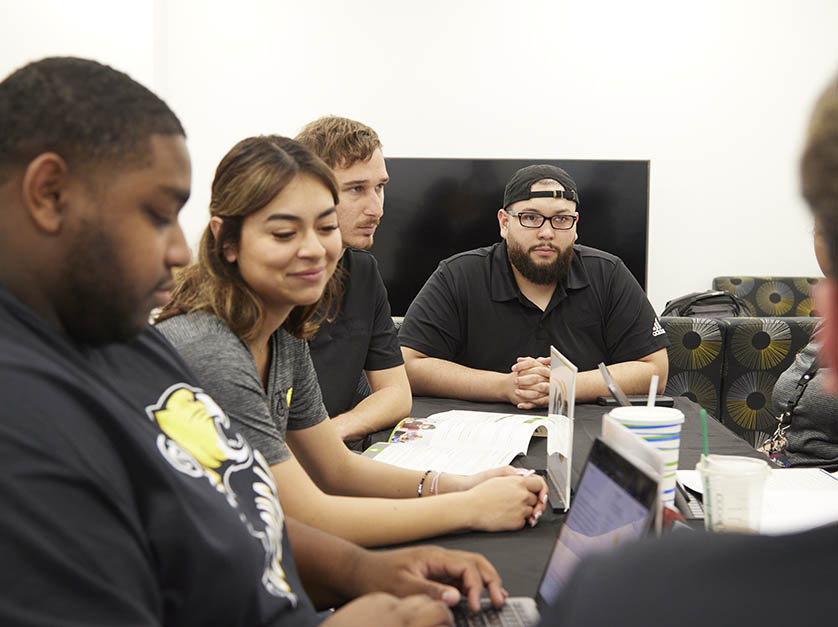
(466, 442)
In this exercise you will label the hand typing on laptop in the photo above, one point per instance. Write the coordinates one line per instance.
(434, 579)
(615, 503)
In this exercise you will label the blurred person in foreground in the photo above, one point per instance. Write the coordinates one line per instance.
(698, 579)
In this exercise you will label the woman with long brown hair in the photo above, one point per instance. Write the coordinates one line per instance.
(240, 317)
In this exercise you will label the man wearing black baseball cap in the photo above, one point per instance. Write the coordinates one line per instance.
(482, 326)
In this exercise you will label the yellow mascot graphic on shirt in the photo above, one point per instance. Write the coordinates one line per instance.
(194, 439)
(187, 421)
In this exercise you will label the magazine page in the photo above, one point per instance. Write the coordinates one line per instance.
(463, 441)
(465, 460)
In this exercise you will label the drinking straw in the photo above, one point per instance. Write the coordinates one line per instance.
(704, 432)
(653, 390)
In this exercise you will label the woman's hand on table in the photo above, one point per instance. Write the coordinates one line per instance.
(536, 483)
(507, 502)
(467, 482)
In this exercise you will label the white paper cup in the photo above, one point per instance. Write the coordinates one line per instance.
(733, 489)
(660, 427)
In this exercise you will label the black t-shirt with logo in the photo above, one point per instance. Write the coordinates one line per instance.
(472, 312)
(127, 497)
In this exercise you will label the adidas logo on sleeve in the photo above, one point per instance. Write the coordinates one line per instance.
(657, 329)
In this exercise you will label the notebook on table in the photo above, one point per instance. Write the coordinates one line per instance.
(615, 502)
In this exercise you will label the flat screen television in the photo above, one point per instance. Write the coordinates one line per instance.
(434, 208)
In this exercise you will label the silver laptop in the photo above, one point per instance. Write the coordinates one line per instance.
(614, 503)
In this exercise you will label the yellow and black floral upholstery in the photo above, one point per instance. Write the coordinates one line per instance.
(729, 366)
(771, 296)
(696, 358)
(758, 351)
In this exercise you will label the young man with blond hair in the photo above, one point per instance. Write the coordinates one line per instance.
(357, 357)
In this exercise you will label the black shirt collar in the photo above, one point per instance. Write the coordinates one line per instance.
(504, 287)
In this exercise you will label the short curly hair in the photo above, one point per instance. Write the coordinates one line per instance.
(86, 112)
(340, 142)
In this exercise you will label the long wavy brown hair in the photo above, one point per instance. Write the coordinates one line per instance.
(248, 178)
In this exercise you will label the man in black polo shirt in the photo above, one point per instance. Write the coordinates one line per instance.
(356, 356)
(482, 326)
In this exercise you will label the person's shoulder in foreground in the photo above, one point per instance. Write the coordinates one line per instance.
(697, 579)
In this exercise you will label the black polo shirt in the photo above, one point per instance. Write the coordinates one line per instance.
(472, 312)
(362, 337)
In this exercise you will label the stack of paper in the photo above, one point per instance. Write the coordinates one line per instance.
(795, 499)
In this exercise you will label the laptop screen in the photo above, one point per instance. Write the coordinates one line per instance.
(614, 503)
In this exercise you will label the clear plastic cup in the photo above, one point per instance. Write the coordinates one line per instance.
(733, 489)
(660, 427)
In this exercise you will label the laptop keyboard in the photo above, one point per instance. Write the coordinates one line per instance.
(512, 614)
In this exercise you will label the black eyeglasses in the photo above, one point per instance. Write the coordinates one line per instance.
(561, 222)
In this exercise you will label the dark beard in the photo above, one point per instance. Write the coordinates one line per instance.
(540, 273)
(94, 305)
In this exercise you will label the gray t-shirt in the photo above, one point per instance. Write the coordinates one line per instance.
(813, 435)
(225, 367)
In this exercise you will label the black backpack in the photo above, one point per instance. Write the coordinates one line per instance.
(709, 304)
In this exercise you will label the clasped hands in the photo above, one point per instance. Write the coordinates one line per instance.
(530, 382)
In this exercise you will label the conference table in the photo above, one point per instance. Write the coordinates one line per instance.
(520, 556)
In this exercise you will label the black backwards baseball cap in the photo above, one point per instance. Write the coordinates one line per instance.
(518, 187)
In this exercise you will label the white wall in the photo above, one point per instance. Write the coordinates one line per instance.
(119, 34)
(715, 94)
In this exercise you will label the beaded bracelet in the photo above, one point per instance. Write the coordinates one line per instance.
(422, 482)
